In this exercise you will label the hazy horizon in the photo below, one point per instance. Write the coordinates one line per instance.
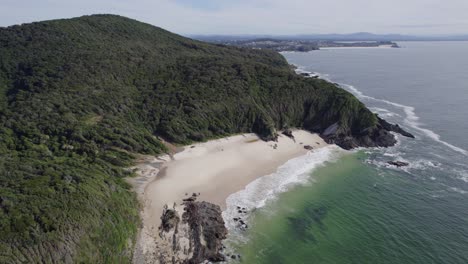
(261, 17)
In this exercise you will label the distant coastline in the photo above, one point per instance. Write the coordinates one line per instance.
(281, 45)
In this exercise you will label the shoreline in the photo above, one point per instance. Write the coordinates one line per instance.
(339, 47)
(212, 170)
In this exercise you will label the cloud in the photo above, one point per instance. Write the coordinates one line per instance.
(433, 25)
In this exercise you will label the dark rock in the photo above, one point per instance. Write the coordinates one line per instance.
(169, 219)
(206, 231)
(377, 136)
(398, 163)
(395, 128)
(288, 132)
(308, 147)
(191, 199)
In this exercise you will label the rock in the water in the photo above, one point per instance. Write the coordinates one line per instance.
(377, 136)
(398, 163)
(395, 128)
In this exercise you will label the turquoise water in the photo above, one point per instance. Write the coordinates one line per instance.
(355, 213)
(355, 208)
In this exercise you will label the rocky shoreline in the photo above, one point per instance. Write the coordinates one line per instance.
(346, 138)
(378, 136)
(191, 233)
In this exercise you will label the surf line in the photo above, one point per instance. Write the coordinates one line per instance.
(411, 118)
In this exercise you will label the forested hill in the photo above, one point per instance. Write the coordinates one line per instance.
(79, 96)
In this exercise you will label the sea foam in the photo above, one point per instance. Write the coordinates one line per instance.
(411, 119)
(264, 189)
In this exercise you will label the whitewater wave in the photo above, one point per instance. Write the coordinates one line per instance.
(264, 189)
(462, 174)
(411, 119)
(382, 112)
(418, 164)
(458, 190)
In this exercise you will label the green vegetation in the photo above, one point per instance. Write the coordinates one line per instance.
(78, 95)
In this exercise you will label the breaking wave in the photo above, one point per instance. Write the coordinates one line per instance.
(410, 119)
(264, 189)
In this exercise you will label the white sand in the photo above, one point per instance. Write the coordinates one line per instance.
(215, 169)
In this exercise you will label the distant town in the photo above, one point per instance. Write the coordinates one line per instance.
(302, 45)
(311, 42)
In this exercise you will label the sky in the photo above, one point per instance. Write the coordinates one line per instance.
(271, 17)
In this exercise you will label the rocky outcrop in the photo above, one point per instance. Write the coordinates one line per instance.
(193, 238)
(288, 132)
(398, 163)
(308, 147)
(378, 136)
(395, 128)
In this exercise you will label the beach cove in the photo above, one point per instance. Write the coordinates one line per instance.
(212, 171)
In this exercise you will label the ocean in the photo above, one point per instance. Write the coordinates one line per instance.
(336, 206)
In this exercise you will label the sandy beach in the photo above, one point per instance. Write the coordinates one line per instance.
(214, 169)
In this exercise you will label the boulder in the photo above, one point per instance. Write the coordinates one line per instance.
(398, 163)
(169, 219)
(288, 132)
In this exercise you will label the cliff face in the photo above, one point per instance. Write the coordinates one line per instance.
(192, 236)
(78, 95)
(378, 136)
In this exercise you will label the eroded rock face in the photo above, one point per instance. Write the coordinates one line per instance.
(194, 238)
(378, 136)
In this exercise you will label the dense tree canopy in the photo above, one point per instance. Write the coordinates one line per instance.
(79, 96)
